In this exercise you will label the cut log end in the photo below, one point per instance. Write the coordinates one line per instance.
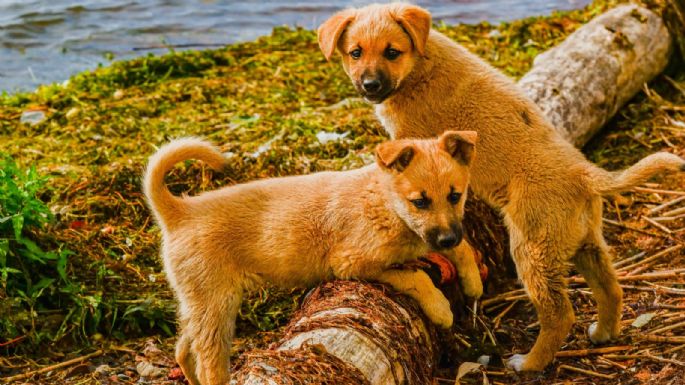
(363, 327)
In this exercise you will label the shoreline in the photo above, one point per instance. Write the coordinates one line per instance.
(99, 55)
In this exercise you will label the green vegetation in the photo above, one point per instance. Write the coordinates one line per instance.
(78, 248)
(31, 278)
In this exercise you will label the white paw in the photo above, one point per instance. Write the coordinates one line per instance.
(597, 336)
(516, 362)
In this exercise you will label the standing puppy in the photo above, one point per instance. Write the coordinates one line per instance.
(423, 83)
(298, 231)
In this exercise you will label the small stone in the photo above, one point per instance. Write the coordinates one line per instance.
(146, 369)
(494, 33)
(72, 112)
(642, 320)
(103, 369)
(325, 137)
(483, 360)
(32, 117)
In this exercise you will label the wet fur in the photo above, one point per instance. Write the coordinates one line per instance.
(549, 194)
(298, 231)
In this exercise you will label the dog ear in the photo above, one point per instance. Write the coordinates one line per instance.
(330, 31)
(394, 155)
(416, 21)
(459, 144)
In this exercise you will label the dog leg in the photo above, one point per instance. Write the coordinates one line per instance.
(540, 267)
(464, 258)
(212, 326)
(594, 263)
(186, 359)
(417, 285)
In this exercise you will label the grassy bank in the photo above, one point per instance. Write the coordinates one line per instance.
(264, 102)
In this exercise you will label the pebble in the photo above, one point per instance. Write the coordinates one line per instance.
(147, 369)
(103, 369)
(72, 112)
(32, 117)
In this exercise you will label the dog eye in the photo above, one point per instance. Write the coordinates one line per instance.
(421, 203)
(356, 54)
(454, 197)
(391, 53)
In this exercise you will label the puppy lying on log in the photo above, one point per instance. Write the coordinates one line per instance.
(298, 231)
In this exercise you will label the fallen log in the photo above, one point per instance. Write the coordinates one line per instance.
(582, 82)
(349, 333)
(579, 85)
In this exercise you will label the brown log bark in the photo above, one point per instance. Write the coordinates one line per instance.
(579, 85)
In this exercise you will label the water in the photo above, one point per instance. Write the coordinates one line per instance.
(47, 41)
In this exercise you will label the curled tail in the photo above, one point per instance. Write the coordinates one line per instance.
(608, 183)
(164, 204)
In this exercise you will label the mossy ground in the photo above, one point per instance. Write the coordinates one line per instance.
(264, 102)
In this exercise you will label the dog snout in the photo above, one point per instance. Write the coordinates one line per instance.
(375, 87)
(447, 240)
(371, 85)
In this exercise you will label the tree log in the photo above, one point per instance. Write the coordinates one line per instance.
(582, 82)
(360, 330)
(348, 333)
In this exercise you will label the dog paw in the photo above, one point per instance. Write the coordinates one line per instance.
(473, 288)
(516, 362)
(598, 336)
(439, 312)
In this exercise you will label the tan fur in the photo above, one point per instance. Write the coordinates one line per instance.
(550, 195)
(298, 231)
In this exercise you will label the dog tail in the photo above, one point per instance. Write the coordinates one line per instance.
(608, 183)
(160, 199)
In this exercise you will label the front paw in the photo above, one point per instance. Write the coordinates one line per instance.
(516, 362)
(438, 310)
(600, 336)
(525, 363)
(472, 287)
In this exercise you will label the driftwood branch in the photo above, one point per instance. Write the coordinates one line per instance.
(357, 329)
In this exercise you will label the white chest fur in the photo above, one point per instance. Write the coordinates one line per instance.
(385, 120)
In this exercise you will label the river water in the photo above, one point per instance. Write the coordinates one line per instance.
(47, 41)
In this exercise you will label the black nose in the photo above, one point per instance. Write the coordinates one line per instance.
(447, 240)
(371, 85)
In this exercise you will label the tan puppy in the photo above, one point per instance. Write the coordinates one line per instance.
(550, 195)
(298, 231)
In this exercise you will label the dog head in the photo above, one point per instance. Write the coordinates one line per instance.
(379, 43)
(428, 180)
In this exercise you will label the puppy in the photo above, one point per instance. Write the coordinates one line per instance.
(297, 231)
(551, 197)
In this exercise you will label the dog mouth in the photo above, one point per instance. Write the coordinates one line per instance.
(376, 97)
(374, 88)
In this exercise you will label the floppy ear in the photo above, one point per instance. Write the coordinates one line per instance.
(330, 31)
(417, 22)
(459, 144)
(394, 155)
